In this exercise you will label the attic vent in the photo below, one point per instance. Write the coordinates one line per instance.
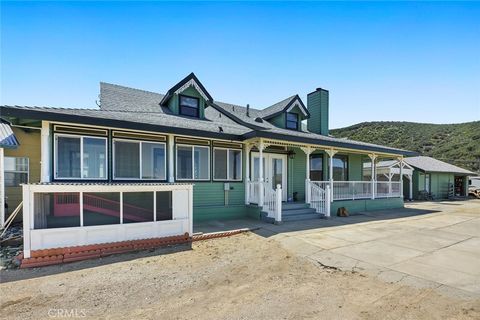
(258, 119)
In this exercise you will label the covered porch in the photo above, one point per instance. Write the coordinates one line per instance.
(280, 175)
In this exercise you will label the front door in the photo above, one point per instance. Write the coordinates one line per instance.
(274, 170)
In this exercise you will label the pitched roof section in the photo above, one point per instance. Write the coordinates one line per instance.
(189, 81)
(285, 106)
(433, 165)
(119, 98)
(8, 139)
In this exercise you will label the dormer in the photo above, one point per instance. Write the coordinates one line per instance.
(287, 114)
(187, 98)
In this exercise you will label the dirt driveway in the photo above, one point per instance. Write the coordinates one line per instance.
(262, 275)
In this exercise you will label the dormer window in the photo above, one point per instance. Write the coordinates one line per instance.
(292, 121)
(189, 106)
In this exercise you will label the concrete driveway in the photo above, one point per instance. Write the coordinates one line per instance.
(434, 244)
(426, 244)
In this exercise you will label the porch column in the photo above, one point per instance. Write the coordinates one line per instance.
(308, 151)
(373, 157)
(45, 152)
(410, 187)
(171, 157)
(260, 173)
(331, 153)
(401, 177)
(247, 173)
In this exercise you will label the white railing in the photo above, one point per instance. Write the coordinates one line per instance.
(272, 202)
(320, 198)
(352, 190)
(254, 188)
(387, 189)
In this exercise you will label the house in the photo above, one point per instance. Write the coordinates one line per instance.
(147, 164)
(440, 179)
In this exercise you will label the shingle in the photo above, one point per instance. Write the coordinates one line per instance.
(433, 165)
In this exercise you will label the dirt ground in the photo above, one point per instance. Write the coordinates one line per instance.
(242, 277)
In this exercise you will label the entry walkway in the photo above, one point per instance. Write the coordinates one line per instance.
(427, 244)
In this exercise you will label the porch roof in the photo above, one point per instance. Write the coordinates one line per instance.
(429, 164)
(8, 139)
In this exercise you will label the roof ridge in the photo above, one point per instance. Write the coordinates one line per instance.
(43, 107)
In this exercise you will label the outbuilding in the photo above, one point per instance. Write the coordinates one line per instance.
(437, 179)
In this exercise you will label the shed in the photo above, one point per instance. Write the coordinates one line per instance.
(439, 179)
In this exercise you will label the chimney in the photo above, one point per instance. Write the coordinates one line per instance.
(248, 110)
(317, 105)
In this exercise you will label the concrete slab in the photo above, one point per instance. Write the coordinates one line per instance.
(324, 241)
(378, 253)
(470, 227)
(425, 240)
(300, 247)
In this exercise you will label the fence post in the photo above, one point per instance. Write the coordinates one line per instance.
(308, 191)
(278, 204)
(327, 201)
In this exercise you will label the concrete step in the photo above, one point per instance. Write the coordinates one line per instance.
(293, 205)
(306, 216)
(293, 212)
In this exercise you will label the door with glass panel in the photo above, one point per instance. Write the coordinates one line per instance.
(274, 170)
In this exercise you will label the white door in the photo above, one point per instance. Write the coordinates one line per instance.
(274, 170)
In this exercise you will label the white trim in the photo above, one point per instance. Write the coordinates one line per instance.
(140, 151)
(228, 161)
(268, 170)
(4, 170)
(45, 152)
(192, 146)
(80, 137)
(297, 103)
(192, 83)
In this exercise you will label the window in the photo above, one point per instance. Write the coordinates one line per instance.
(139, 160)
(227, 164)
(292, 121)
(189, 106)
(316, 167)
(16, 171)
(193, 162)
(137, 207)
(340, 168)
(80, 157)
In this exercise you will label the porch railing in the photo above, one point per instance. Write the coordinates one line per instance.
(254, 189)
(387, 189)
(320, 198)
(272, 198)
(351, 190)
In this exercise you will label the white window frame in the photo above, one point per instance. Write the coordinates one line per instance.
(193, 146)
(19, 171)
(55, 162)
(228, 160)
(141, 142)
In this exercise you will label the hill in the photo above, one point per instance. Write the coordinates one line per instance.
(458, 144)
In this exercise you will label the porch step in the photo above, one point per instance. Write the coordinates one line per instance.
(305, 216)
(294, 205)
(294, 212)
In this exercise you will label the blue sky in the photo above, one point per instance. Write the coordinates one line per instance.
(381, 61)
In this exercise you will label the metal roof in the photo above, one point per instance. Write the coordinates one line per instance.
(429, 164)
(7, 137)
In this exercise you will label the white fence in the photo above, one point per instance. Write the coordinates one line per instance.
(320, 198)
(352, 190)
(63, 215)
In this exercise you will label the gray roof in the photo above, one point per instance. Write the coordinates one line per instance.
(433, 165)
(7, 137)
(139, 109)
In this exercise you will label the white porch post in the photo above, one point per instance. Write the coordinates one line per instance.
(278, 204)
(260, 173)
(171, 156)
(2, 189)
(410, 187)
(373, 157)
(308, 151)
(331, 153)
(27, 219)
(401, 177)
(45, 152)
(247, 173)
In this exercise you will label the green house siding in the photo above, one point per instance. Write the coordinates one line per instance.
(439, 184)
(278, 121)
(296, 174)
(355, 167)
(366, 205)
(173, 103)
(317, 104)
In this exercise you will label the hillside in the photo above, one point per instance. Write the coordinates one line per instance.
(458, 144)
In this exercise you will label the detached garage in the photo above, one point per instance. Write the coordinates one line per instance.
(435, 179)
